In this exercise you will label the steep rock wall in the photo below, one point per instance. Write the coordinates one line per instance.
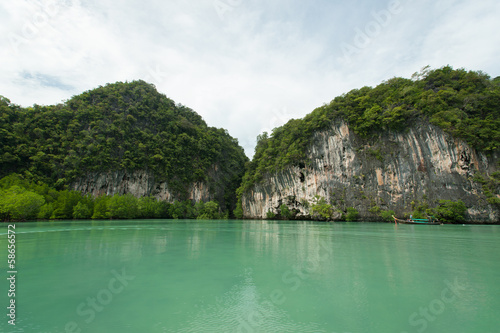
(393, 171)
(143, 183)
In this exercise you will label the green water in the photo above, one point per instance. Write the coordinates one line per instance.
(252, 276)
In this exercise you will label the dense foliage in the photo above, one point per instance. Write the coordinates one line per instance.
(21, 200)
(321, 209)
(450, 211)
(464, 103)
(121, 126)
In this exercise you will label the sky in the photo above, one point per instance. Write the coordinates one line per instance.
(244, 65)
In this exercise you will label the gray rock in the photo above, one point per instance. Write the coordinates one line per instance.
(392, 171)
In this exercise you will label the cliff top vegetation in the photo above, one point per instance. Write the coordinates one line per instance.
(121, 126)
(466, 104)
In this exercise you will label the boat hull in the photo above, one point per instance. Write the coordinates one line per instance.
(396, 220)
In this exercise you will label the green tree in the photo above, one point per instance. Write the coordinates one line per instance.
(321, 209)
(238, 212)
(189, 212)
(162, 210)
(270, 215)
(81, 211)
(387, 215)
(199, 208)
(46, 211)
(210, 211)
(65, 203)
(101, 207)
(123, 207)
(180, 210)
(285, 212)
(451, 212)
(148, 207)
(19, 204)
(352, 214)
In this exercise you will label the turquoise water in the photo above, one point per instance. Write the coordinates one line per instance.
(252, 276)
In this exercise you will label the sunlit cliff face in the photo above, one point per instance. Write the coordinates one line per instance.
(392, 171)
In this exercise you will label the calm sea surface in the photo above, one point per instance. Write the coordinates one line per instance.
(252, 276)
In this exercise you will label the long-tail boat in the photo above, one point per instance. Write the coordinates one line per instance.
(429, 220)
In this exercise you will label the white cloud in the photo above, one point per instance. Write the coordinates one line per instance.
(247, 65)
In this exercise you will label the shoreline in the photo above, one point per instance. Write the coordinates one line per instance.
(467, 223)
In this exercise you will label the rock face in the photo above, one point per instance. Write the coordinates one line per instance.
(394, 171)
(142, 183)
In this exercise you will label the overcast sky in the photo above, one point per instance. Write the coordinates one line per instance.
(244, 65)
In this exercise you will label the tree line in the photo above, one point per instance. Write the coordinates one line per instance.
(23, 200)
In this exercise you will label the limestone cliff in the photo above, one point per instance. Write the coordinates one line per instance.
(142, 183)
(393, 172)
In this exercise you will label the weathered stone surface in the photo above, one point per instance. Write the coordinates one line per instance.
(142, 183)
(423, 164)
